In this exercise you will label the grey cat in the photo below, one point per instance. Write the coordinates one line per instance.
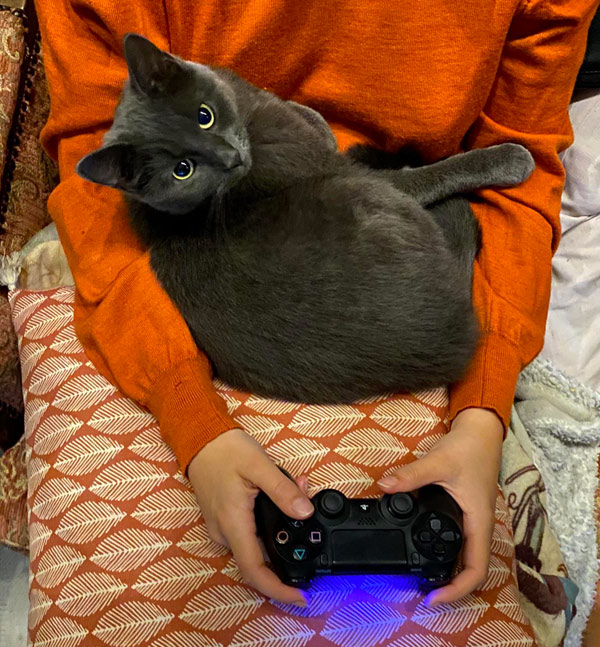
(303, 273)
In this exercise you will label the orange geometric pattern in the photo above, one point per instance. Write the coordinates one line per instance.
(120, 555)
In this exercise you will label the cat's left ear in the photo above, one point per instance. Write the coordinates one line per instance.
(110, 165)
(152, 71)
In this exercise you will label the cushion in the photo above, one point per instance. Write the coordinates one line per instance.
(119, 551)
(31, 175)
(27, 180)
(11, 56)
(12, 30)
(13, 498)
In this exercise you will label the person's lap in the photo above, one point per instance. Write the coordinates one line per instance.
(119, 551)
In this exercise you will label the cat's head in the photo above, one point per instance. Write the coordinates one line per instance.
(178, 136)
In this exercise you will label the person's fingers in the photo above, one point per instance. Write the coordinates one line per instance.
(284, 492)
(240, 533)
(477, 530)
(421, 472)
(302, 483)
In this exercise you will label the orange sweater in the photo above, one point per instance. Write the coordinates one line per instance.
(435, 75)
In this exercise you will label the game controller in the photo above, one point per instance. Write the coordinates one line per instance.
(418, 533)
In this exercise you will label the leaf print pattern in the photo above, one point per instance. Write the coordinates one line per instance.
(120, 555)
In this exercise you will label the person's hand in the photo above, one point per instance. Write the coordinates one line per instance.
(466, 463)
(227, 475)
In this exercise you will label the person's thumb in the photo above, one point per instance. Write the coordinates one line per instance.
(411, 477)
(284, 492)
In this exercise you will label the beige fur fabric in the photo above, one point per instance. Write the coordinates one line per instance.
(40, 265)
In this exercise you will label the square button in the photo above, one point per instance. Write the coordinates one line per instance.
(315, 537)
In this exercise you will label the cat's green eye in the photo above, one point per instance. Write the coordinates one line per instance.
(183, 170)
(206, 116)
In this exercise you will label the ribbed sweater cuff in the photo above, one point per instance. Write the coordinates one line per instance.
(491, 379)
(189, 411)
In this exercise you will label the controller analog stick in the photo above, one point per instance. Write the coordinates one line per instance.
(332, 504)
(400, 504)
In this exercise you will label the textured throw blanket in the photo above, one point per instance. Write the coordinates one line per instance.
(555, 425)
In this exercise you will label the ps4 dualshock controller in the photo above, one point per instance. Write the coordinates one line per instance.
(417, 533)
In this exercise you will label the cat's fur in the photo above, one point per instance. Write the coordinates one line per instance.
(302, 273)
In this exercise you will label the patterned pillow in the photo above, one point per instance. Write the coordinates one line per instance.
(120, 555)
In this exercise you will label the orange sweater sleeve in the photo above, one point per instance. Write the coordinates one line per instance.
(128, 325)
(528, 103)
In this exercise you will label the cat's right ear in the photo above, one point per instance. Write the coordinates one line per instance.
(108, 166)
(151, 70)
(317, 121)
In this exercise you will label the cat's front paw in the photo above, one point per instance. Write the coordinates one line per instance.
(515, 163)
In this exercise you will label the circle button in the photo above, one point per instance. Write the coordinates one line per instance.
(332, 504)
(282, 537)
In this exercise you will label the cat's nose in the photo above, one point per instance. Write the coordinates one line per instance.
(233, 159)
(232, 155)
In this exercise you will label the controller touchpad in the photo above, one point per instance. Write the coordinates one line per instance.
(355, 549)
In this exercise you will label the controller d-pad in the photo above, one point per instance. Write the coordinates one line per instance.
(426, 536)
(436, 537)
(439, 548)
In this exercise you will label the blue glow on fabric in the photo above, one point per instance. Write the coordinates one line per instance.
(328, 592)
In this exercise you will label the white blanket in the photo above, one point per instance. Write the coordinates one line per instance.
(573, 327)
